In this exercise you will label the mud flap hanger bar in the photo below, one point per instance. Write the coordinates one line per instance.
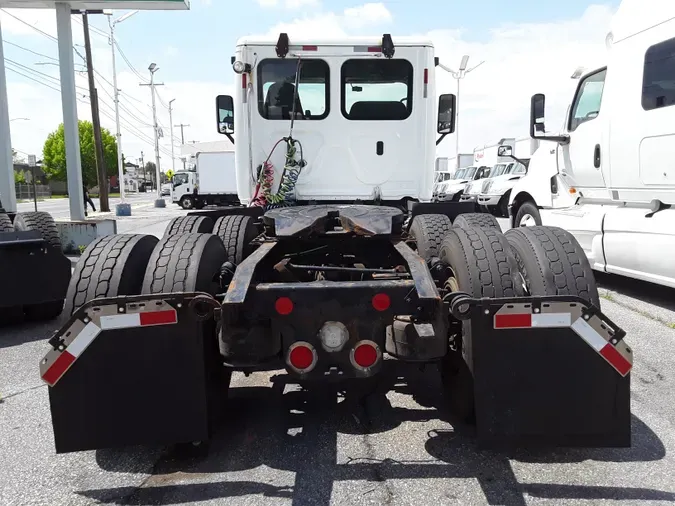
(283, 46)
(551, 312)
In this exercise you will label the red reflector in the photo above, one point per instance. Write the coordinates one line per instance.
(58, 368)
(310, 48)
(374, 49)
(615, 358)
(243, 81)
(426, 76)
(284, 306)
(301, 357)
(158, 317)
(381, 301)
(365, 355)
(503, 321)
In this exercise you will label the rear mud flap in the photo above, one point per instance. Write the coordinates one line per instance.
(549, 371)
(34, 272)
(134, 370)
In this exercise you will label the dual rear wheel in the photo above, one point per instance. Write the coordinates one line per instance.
(481, 261)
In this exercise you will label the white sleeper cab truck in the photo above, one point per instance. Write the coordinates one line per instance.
(609, 176)
(337, 266)
(495, 191)
(212, 182)
(452, 190)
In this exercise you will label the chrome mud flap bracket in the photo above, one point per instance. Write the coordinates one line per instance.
(134, 370)
(548, 371)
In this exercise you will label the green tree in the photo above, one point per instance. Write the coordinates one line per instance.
(54, 153)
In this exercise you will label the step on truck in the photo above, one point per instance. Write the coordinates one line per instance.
(336, 262)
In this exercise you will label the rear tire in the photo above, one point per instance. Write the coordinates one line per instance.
(192, 224)
(185, 263)
(483, 266)
(236, 232)
(5, 223)
(551, 262)
(43, 312)
(527, 216)
(112, 265)
(477, 220)
(428, 230)
(42, 222)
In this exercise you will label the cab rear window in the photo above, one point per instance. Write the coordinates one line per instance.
(278, 97)
(377, 89)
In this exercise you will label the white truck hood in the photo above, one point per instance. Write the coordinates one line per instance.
(455, 186)
(499, 185)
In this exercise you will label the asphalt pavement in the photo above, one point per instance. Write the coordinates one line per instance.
(280, 444)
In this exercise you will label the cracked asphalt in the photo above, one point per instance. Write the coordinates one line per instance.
(280, 444)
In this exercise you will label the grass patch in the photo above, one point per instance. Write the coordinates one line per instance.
(607, 296)
(671, 325)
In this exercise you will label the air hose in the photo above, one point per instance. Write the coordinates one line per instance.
(285, 194)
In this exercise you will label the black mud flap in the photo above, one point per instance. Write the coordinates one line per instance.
(35, 272)
(548, 371)
(134, 370)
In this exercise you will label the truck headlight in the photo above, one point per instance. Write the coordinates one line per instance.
(240, 67)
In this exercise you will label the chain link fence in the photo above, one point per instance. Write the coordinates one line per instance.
(25, 191)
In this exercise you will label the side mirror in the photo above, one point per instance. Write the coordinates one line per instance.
(537, 114)
(504, 151)
(225, 114)
(446, 113)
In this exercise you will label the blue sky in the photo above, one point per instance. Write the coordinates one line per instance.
(528, 46)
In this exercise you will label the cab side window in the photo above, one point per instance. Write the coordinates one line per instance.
(658, 78)
(587, 101)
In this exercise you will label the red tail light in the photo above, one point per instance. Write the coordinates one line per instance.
(381, 301)
(302, 357)
(283, 306)
(365, 354)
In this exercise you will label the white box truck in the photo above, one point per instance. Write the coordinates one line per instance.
(609, 175)
(213, 182)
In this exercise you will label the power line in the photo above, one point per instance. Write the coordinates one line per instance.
(126, 60)
(33, 79)
(97, 31)
(29, 69)
(30, 50)
(31, 26)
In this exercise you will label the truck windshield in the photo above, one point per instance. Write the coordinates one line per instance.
(460, 174)
(498, 170)
(179, 179)
(470, 171)
(377, 89)
(276, 89)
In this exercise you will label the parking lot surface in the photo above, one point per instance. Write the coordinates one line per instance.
(280, 444)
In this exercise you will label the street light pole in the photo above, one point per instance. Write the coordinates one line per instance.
(159, 202)
(173, 158)
(459, 75)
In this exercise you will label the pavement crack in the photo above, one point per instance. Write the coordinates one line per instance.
(378, 475)
(608, 295)
(15, 394)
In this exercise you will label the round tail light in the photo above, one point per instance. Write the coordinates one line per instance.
(301, 357)
(365, 354)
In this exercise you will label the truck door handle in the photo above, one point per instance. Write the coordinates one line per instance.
(379, 148)
(596, 156)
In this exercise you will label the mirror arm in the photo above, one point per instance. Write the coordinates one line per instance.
(229, 136)
(440, 139)
(561, 139)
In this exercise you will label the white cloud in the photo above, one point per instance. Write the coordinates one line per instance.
(289, 4)
(520, 60)
(330, 24)
(367, 14)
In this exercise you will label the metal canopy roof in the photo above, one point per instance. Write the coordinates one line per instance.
(99, 4)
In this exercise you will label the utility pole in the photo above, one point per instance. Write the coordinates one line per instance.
(173, 158)
(121, 208)
(182, 139)
(159, 202)
(93, 96)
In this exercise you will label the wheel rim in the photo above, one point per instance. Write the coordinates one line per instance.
(527, 220)
(187, 204)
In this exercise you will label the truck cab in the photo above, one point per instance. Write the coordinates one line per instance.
(609, 175)
(335, 92)
(183, 188)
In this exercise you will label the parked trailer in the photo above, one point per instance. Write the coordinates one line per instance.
(34, 272)
(326, 289)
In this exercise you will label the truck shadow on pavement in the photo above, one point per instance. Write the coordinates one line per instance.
(658, 295)
(291, 429)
